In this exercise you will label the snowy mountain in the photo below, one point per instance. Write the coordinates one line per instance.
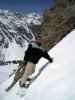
(15, 27)
(15, 33)
(34, 19)
(56, 82)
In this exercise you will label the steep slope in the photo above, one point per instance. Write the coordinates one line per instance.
(56, 82)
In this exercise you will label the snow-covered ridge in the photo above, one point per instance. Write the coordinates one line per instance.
(16, 26)
(34, 19)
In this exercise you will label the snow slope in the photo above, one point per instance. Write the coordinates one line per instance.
(57, 81)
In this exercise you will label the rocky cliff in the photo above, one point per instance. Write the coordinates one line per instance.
(58, 21)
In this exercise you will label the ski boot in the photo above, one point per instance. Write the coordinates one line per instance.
(26, 84)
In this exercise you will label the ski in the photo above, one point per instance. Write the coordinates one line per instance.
(18, 75)
(31, 80)
(11, 86)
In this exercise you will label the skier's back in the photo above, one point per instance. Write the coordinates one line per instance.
(32, 55)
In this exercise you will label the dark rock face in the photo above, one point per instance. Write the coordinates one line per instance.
(63, 3)
(58, 21)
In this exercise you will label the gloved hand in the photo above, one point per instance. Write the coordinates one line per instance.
(51, 60)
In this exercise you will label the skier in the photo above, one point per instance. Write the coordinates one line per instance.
(32, 55)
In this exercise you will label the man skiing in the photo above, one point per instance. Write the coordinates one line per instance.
(32, 55)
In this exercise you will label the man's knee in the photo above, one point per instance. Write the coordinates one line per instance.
(30, 68)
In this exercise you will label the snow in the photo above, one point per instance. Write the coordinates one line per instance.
(6, 71)
(33, 18)
(14, 24)
(14, 52)
(56, 82)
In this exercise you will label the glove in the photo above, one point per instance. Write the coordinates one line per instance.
(51, 60)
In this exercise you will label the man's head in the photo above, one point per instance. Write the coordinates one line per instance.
(39, 40)
(42, 39)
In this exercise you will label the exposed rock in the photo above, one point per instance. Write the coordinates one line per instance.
(58, 21)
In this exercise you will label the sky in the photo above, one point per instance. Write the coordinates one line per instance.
(25, 5)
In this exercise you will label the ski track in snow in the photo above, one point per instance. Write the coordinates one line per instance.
(56, 82)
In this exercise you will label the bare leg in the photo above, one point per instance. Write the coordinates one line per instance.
(30, 68)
